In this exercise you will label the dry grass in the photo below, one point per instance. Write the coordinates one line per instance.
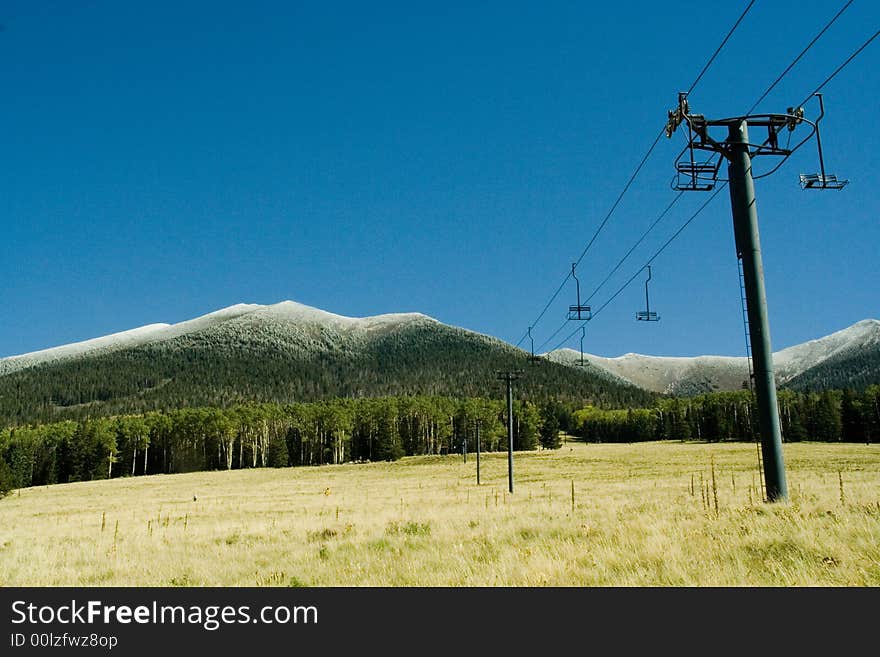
(423, 521)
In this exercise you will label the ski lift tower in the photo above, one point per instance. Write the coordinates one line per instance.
(583, 335)
(694, 174)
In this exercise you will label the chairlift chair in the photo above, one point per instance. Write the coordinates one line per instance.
(647, 315)
(578, 311)
(693, 176)
(821, 180)
(532, 357)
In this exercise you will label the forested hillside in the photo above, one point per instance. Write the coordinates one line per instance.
(222, 367)
(856, 371)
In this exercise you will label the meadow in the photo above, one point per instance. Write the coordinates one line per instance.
(642, 514)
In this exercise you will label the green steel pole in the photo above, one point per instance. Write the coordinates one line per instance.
(509, 432)
(748, 244)
(477, 427)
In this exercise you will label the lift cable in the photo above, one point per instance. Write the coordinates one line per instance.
(649, 261)
(636, 245)
(662, 132)
(601, 226)
(619, 263)
(798, 58)
(718, 189)
(552, 299)
(788, 69)
(816, 92)
(637, 170)
(621, 195)
(718, 49)
(841, 67)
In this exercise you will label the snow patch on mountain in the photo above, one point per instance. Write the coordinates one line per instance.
(121, 340)
(281, 322)
(797, 359)
(667, 374)
(694, 375)
(297, 312)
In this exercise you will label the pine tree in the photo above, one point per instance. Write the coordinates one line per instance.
(6, 479)
(826, 417)
(526, 420)
(278, 456)
(851, 418)
(548, 433)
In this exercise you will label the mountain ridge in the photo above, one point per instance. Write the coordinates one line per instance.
(688, 375)
(281, 353)
(288, 351)
(285, 310)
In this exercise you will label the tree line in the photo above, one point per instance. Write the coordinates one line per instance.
(265, 435)
(831, 415)
(372, 429)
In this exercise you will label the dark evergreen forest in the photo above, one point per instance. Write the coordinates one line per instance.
(830, 415)
(355, 430)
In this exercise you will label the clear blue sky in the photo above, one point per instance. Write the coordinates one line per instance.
(160, 160)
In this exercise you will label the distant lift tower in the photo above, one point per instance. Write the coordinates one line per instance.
(509, 377)
(693, 174)
(583, 335)
(578, 311)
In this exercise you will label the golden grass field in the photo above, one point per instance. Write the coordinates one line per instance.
(637, 520)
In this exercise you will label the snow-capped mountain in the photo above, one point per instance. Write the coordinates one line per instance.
(286, 322)
(290, 352)
(847, 357)
(286, 352)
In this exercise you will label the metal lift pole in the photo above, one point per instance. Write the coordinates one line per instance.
(583, 335)
(477, 427)
(509, 379)
(745, 221)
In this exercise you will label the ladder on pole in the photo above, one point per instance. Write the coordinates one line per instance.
(748, 341)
